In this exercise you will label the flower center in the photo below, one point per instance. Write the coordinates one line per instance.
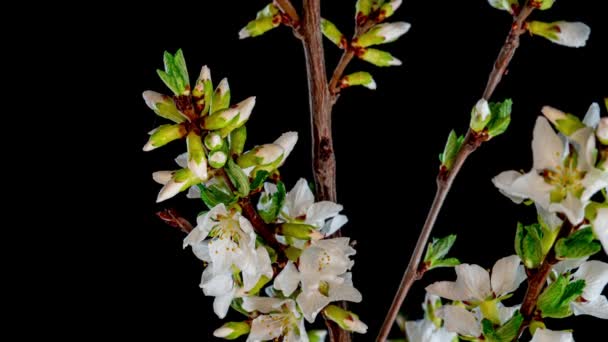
(566, 178)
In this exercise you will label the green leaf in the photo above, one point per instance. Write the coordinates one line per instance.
(505, 333)
(269, 206)
(259, 179)
(237, 305)
(331, 32)
(452, 146)
(175, 75)
(501, 117)
(528, 244)
(437, 250)
(578, 245)
(213, 195)
(237, 177)
(555, 300)
(449, 262)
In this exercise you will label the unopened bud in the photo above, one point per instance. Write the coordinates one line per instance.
(203, 91)
(361, 78)
(571, 34)
(197, 162)
(345, 319)
(232, 330)
(217, 159)
(379, 58)
(213, 141)
(287, 141)
(165, 134)
(381, 34)
(602, 131)
(388, 9)
(261, 155)
(221, 97)
(163, 106)
(480, 115)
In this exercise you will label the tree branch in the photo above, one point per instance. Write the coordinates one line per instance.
(445, 179)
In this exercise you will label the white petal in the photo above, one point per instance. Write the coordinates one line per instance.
(546, 335)
(201, 250)
(504, 181)
(597, 307)
(572, 207)
(448, 290)
(474, 281)
(318, 212)
(195, 237)
(261, 267)
(572, 34)
(214, 284)
(287, 141)
(547, 147)
(507, 274)
(567, 265)
(592, 118)
(595, 274)
(419, 331)
(170, 189)
(531, 186)
(459, 320)
(506, 312)
(299, 199)
(162, 177)
(194, 192)
(266, 327)
(334, 224)
(288, 280)
(221, 304)
(548, 218)
(311, 303)
(594, 181)
(600, 227)
(346, 292)
(263, 304)
(392, 31)
(182, 160)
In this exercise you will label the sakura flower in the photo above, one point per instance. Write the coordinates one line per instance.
(300, 207)
(231, 244)
(561, 179)
(323, 273)
(474, 284)
(428, 329)
(592, 302)
(281, 318)
(600, 227)
(546, 335)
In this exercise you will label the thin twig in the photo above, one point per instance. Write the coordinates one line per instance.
(445, 179)
(171, 217)
(347, 57)
(287, 8)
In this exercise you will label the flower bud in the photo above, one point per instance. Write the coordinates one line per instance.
(221, 97)
(388, 9)
(543, 4)
(379, 58)
(232, 330)
(261, 155)
(163, 106)
(203, 91)
(197, 162)
(331, 32)
(237, 140)
(182, 180)
(162, 177)
(287, 141)
(165, 134)
(244, 109)
(266, 19)
(217, 159)
(505, 5)
(221, 119)
(361, 78)
(571, 34)
(345, 319)
(299, 231)
(480, 115)
(381, 34)
(213, 141)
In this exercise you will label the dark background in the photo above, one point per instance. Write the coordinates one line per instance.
(386, 142)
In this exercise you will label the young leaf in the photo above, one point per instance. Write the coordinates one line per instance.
(578, 245)
(212, 195)
(237, 177)
(452, 146)
(437, 250)
(555, 300)
(528, 244)
(505, 333)
(317, 335)
(237, 140)
(501, 117)
(269, 206)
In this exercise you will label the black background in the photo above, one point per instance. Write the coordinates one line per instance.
(386, 142)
